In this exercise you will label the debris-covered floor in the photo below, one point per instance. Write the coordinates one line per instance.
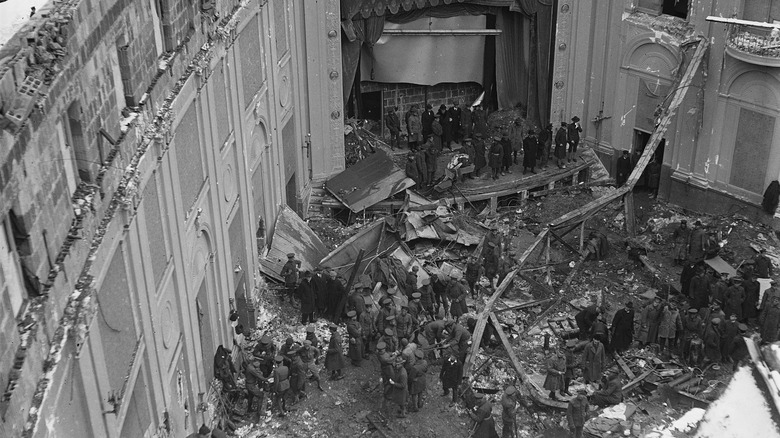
(662, 396)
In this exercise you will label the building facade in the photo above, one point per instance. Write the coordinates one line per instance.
(617, 64)
(144, 147)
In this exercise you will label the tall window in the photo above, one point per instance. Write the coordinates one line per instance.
(11, 280)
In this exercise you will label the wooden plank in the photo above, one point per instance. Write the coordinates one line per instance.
(536, 284)
(628, 207)
(582, 235)
(625, 367)
(607, 182)
(575, 216)
(636, 381)
(565, 243)
(525, 305)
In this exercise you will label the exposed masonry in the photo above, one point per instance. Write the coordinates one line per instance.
(81, 307)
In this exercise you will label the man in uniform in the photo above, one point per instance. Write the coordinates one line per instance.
(451, 375)
(508, 412)
(281, 385)
(305, 293)
(389, 337)
(335, 295)
(356, 345)
(400, 386)
(290, 274)
(496, 157)
(255, 382)
(368, 330)
(411, 281)
(459, 339)
(473, 271)
(310, 357)
(484, 425)
(426, 298)
(479, 153)
(386, 369)
(404, 324)
(264, 352)
(490, 262)
(334, 357)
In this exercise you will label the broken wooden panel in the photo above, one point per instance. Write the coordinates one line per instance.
(720, 265)
(292, 235)
(369, 181)
(375, 239)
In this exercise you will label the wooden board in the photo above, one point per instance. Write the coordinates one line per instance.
(292, 235)
(369, 181)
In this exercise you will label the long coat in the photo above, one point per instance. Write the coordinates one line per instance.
(556, 367)
(479, 155)
(593, 361)
(561, 142)
(651, 318)
(667, 328)
(400, 390)
(697, 245)
(770, 322)
(355, 340)
(496, 155)
(680, 239)
(306, 294)
(334, 358)
(712, 343)
(412, 171)
(750, 304)
(480, 121)
(336, 293)
(420, 382)
(577, 411)
(486, 426)
(451, 374)
(506, 144)
(529, 151)
(735, 296)
(622, 329)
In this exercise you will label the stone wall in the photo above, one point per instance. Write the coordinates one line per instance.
(105, 104)
(405, 95)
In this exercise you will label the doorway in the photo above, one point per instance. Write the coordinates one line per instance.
(641, 138)
(372, 106)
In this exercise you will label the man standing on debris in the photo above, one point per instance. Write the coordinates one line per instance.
(624, 170)
(712, 341)
(506, 144)
(334, 358)
(297, 375)
(577, 413)
(440, 294)
(310, 357)
(697, 246)
(355, 332)
(306, 295)
(762, 264)
(431, 156)
(509, 412)
(254, 385)
(290, 274)
(426, 298)
(691, 329)
(516, 138)
(680, 237)
(459, 339)
(649, 322)
(336, 293)
(735, 296)
(456, 292)
(623, 328)
(319, 286)
(411, 281)
(400, 383)
(437, 130)
(404, 324)
(750, 304)
(281, 385)
(496, 157)
(411, 169)
(667, 329)
(593, 361)
(555, 365)
(729, 330)
(393, 124)
(473, 271)
(490, 262)
(451, 375)
(386, 310)
(769, 318)
(561, 144)
(367, 330)
(585, 319)
(484, 425)
(699, 289)
(601, 333)
(414, 127)
(422, 164)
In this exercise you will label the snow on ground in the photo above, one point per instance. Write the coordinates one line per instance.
(742, 411)
(14, 14)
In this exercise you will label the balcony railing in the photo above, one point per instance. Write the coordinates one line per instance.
(757, 44)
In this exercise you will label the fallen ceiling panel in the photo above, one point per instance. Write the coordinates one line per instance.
(292, 235)
(368, 182)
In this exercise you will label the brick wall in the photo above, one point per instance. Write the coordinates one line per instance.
(405, 95)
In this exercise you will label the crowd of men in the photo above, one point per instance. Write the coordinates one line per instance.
(428, 133)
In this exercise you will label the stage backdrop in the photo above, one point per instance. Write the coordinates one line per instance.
(427, 60)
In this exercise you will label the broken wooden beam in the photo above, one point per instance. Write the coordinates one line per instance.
(574, 217)
(525, 305)
(607, 182)
(535, 284)
(634, 382)
(625, 367)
